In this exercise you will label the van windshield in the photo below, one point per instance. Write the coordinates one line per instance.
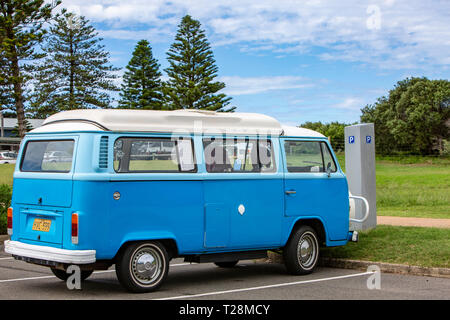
(48, 156)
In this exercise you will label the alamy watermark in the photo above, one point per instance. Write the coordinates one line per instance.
(73, 22)
(373, 22)
(374, 280)
(74, 279)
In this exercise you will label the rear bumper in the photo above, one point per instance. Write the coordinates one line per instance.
(44, 253)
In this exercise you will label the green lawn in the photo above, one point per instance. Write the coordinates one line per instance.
(417, 246)
(414, 190)
(154, 165)
(412, 186)
(6, 173)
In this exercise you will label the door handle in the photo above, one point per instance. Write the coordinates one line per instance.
(291, 192)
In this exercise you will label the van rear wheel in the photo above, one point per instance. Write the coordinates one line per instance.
(301, 253)
(142, 267)
(62, 274)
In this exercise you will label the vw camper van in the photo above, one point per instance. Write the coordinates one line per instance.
(137, 188)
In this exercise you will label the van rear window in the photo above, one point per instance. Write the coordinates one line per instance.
(48, 156)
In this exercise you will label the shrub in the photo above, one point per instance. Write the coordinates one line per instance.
(5, 202)
(446, 150)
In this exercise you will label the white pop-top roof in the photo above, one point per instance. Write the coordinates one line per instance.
(291, 131)
(177, 121)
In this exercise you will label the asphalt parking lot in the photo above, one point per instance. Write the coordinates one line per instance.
(249, 280)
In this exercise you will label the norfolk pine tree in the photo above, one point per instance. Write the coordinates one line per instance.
(141, 87)
(192, 71)
(21, 29)
(6, 88)
(76, 73)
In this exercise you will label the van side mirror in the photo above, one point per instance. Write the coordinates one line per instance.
(329, 169)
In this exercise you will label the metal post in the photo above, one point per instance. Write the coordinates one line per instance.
(2, 134)
(360, 171)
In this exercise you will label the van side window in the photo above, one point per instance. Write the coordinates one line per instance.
(303, 156)
(308, 156)
(238, 155)
(327, 158)
(154, 155)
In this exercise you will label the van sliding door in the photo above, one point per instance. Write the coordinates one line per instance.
(243, 194)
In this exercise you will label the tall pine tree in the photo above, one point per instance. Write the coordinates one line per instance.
(21, 29)
(192, 71)
(141, 87)
(76, 73)
(6, 88)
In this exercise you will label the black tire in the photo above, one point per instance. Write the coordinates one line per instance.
(301, 253)
(226, 264)
(62, 274)
(142, 267)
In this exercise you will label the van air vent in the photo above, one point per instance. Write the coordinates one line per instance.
(103, 153)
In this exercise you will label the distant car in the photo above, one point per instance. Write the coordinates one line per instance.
(57, 156)
(7, 157)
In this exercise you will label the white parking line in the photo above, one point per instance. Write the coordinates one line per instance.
(265, 287)
(23, 279)
(9, 258)
(96, 272)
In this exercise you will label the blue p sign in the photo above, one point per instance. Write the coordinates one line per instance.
(351, 139)
(368, 139)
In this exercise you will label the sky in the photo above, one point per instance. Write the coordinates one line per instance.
(294, 60)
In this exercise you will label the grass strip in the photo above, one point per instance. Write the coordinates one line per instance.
(415, 246)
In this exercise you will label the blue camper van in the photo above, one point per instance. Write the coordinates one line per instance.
(136, 188)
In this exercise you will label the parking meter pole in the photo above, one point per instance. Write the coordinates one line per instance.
(360, 171)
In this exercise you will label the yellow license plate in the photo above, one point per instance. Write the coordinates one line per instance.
(42, 225)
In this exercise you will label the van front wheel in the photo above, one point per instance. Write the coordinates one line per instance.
(142, 267)
(302, 251)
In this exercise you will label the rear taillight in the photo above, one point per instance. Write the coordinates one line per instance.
(74, 228)
(9, 220)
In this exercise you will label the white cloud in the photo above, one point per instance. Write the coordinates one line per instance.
(350, 103)
(156, 35)
(411, 34)
(251, 85)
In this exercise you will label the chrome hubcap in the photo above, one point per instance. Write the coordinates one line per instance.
(307, 250)
(146, 265)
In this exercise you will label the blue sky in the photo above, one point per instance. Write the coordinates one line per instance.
(294, 60)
